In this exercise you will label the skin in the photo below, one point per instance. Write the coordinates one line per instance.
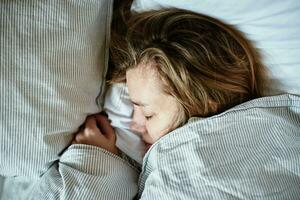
(97, 131)
(154, 112)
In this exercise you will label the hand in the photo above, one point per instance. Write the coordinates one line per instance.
(98, 132)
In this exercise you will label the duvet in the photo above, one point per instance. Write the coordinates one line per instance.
(251, 151)
(248, 152)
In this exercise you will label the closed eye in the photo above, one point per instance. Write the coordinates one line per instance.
(148, 117)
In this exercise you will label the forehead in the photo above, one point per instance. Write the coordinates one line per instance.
(143, 83)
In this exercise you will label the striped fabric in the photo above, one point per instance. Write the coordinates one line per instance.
(248, 152)
(83, 172)
(251, 151)
(53, 62)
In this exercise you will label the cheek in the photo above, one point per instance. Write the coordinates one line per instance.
(157, 128)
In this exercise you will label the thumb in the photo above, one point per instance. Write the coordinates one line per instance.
(91, 122)
(105, 127)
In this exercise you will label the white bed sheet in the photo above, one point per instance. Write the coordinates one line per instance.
(119, 109)
(273, 25)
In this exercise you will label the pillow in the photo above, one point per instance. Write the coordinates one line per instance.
(53, 63)
(119, 109)
(274, 26)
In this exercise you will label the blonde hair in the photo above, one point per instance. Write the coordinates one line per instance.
(207, 65)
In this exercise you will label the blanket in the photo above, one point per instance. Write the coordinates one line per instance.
(251, 151)
(248, 152)
(82, 172)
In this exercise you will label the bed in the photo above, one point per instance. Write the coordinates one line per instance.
(54, 57)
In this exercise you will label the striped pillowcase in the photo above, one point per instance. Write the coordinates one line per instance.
(53, 63)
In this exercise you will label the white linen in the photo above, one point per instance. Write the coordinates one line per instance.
(119, 109)
(274, 26)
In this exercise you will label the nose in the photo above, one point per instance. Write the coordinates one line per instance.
(138, 123)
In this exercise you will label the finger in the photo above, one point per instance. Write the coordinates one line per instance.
(103, 113)
(91, 134)
(91, 129)
(105, 127)
(90, 122)
(79, 137)
(81, 127)
(74, 139)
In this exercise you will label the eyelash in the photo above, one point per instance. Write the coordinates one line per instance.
(148, 117)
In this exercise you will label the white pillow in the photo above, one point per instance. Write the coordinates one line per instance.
(273, 25)
(52, 68)
(119, 108)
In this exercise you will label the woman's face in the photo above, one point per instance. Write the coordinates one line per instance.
(155, 113)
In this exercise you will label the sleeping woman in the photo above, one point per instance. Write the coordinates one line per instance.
(197, 87)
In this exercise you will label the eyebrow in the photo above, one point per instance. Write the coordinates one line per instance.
(138, 103)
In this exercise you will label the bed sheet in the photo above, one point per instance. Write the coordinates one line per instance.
(119, 109)
(274, 26)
